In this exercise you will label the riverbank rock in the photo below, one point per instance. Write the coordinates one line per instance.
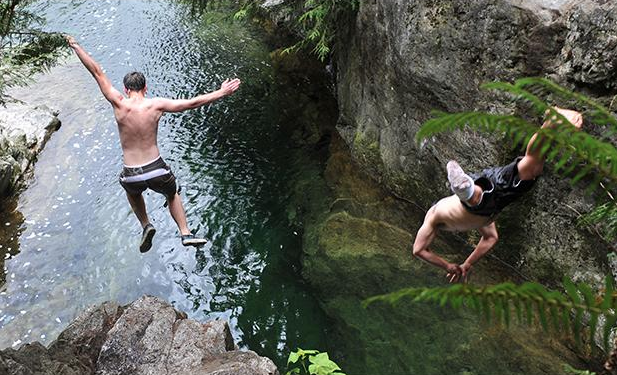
(147, 336)
(398, 60)
(24, 131)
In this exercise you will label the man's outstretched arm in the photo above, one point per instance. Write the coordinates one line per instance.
(178, 105)
(111, 94)
(425, 236)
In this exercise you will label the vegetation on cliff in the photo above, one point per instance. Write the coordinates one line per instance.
(315, 20)
(24, 48)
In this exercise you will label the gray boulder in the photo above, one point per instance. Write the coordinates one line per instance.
(147, 336)
(24, 131)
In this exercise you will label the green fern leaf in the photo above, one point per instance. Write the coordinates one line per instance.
(593, 324)
(607, 302)
(608, 327)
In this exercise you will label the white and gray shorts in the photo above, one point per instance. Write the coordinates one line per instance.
(155, 175)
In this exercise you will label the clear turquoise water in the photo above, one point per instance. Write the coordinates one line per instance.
(78, 239)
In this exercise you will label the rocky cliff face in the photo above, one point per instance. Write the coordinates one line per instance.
(145, 337)
(400, 60)
(24, 130)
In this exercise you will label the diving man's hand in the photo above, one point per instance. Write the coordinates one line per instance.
(454, 272)
(465, 270)
(70, 40)
(230, 86)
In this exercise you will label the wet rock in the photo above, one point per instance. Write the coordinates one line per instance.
(24, 130)
(147, 336)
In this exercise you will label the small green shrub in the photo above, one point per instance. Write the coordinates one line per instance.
(311, 362)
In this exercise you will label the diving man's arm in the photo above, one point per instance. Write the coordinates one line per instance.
(178, 105)
(111, 94)
(425, 236)
(487, 242)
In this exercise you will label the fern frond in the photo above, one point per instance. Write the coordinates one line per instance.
(604, 217)
(598, 114)
(565, 146)
(554, 311)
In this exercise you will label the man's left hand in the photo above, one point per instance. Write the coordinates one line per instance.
(70, 40)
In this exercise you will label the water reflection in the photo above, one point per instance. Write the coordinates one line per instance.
(78, 245)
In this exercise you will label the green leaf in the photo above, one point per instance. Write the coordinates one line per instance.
(587, 294)
(607, 302)
(576, 327)
(571, 290)
(608, 327)
(593, 323)
(322, 365)
(293, 357)
(519, 310)
(554, 317)
(542, 315)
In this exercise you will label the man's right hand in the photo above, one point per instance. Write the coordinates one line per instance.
(230, 86)
(454, 272)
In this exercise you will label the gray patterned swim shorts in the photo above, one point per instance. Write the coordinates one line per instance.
(155, 175)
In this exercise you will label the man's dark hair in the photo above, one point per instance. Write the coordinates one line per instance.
(134, 81)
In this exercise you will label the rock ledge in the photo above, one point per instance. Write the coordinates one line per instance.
(147, 336)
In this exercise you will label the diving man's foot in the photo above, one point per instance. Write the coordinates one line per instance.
(461, 184)
(146, 238)
(191, 240)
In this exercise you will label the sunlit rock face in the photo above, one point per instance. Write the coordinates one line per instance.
(399, 60)
(24, 130)
(147, 336)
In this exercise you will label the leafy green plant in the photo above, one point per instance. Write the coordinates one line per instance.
(571, 370)
(316, 20)
(305, 362)
(528, 303)
(24, 49)
(574, 154)
(604, 218)
(318, 24)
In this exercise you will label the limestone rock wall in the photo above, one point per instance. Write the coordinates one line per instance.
(399, 60)
(147, 336)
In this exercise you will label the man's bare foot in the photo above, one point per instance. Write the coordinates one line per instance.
(461, 184)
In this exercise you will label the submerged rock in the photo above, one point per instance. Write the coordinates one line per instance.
(147, 336)
(24, 130)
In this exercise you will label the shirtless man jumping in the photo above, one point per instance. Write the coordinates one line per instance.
(479, 198)
(138, 120)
